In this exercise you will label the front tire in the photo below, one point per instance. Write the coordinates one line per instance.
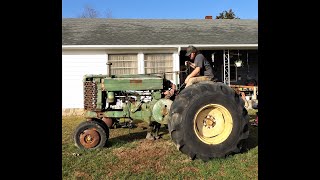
(91, 135)
(208, 120)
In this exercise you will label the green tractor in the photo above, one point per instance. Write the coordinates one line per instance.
(205, 120)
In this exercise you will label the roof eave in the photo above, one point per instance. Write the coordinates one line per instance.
(182, 46)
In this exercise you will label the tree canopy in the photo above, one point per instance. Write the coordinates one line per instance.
(227, 15)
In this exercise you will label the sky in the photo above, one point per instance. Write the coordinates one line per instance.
(161, 9)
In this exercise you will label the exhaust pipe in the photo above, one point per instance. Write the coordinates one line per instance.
(109, 69)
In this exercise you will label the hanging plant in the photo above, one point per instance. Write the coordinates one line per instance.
(238, 63)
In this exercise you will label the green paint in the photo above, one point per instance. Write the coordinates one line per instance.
(136, 110)
(110, 97)
(156, 95)
(133, 82)
(160, 111)
(141, 115)
(116, 114)
(99, 97)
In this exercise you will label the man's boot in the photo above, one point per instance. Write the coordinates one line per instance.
(156, 131)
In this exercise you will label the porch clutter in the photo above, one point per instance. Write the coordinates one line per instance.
(249, 94)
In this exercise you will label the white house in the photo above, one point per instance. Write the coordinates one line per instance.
(139, 46)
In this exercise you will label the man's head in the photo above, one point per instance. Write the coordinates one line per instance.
(190, 50)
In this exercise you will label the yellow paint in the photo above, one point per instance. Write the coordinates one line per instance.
(219, 131)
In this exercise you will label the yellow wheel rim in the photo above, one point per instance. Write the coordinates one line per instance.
(213, 124)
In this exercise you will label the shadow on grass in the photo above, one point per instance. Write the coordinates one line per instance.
(131, 137)
(252, 140)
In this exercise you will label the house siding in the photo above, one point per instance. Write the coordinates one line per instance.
(75, 64)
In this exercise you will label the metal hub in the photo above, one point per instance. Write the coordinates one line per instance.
(89, 138)
(213, 124)
(209, 122)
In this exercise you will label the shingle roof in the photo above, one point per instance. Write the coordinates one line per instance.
(103, 31)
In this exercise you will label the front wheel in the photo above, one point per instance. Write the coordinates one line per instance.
(208, 120)
(91, 135)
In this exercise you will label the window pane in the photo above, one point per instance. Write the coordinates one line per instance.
(159, 63)
(123, 64)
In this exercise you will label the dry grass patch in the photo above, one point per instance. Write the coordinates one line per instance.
(131, 156)
(146, 155)
(82, 175)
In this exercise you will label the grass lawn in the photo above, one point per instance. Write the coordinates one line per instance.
(129, 155)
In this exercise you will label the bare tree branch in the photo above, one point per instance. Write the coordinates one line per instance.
(108, 14)
(89, 12)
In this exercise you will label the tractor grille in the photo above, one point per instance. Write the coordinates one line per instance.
(90, 95)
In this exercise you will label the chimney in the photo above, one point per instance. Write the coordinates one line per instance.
(208, 17)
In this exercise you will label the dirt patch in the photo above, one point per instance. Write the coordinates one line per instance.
(147, 155)
(188, 169)
(80, 175)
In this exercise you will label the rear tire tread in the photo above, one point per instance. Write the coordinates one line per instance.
(186, 97)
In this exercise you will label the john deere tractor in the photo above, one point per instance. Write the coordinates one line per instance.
(205, 120)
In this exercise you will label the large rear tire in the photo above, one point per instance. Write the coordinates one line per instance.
(208, 120)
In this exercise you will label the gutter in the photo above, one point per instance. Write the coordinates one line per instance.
(183, 46)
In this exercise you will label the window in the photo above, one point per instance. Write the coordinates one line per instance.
(123, 63)
(159, 63)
